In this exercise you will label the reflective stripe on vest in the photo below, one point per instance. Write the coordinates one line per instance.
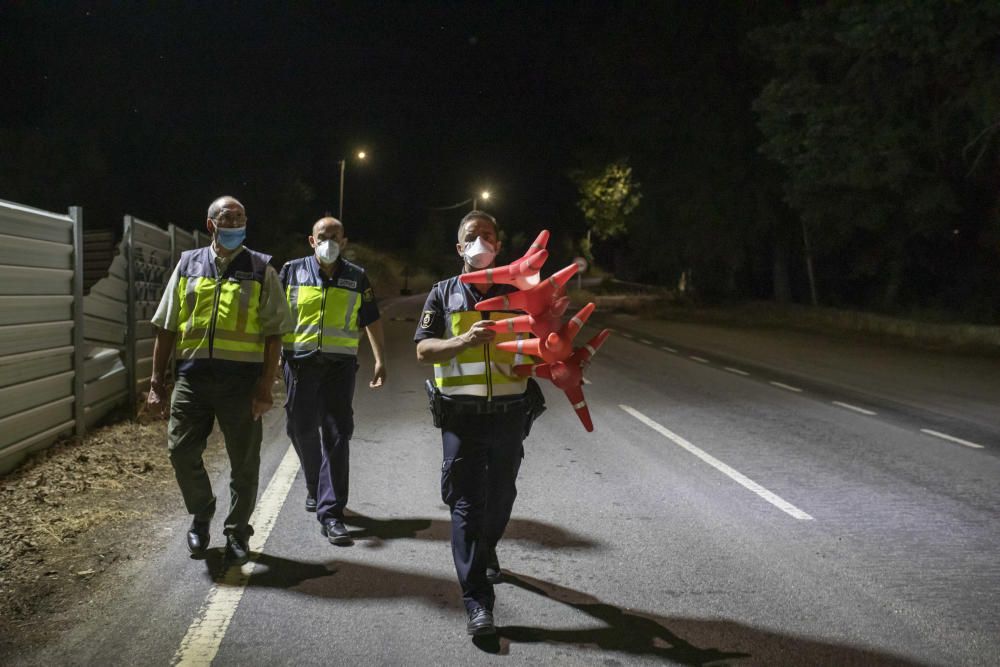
(326, 318)
(482, 370)
(219, 318)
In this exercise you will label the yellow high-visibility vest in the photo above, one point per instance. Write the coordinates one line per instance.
(482, 370)
(220, 315)
(326, 316)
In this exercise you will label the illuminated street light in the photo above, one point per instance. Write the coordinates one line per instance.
(485, 194)
(361, 155)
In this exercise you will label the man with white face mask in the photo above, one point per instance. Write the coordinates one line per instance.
(483, 415)
(331, 302)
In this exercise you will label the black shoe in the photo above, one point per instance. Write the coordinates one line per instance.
(198, 537)
(480, 622)
(336, 532)
(493, 573)
(237, 547)
(310, 503)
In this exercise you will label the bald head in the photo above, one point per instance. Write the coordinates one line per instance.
(328, 224)
(225, 204)
(328, 229)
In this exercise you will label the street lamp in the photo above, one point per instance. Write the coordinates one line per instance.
(485, 194)
(361, 155)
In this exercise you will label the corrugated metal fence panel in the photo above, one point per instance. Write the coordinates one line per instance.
(183, 241)
(98, 252)
(37, 269)
(151, 253)
(36, 329)
(28, 309)
(105, 323)
(104, 308)
(33, 223)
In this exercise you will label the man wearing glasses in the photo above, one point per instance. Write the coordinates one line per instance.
(222, 314)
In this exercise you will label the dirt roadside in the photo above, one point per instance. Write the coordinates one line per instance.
(73, 514)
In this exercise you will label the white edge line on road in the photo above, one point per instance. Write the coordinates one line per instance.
(855, 408)
(700, 360)
(201, 643)
(733, 474)
(952, 438)
(735, 370)
(626, 334)
(786, 386)
(669, 349)
(644, 341)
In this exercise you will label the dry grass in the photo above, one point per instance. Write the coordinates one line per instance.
(71, 511)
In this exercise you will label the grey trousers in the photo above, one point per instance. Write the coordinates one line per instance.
(198, 400)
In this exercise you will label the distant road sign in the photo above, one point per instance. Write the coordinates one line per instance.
(581, 264)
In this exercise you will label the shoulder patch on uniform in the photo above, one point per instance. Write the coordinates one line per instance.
(344, 282)
(427, 319)
(368, 295)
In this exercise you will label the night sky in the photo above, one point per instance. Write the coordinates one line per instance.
(155, 109)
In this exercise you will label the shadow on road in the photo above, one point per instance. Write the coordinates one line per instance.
(346, 580)
(524, 530)
(681, 640)
(639, 633)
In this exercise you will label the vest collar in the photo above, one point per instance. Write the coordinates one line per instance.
(317, 270)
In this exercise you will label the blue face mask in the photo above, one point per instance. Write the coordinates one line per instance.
(230, 238)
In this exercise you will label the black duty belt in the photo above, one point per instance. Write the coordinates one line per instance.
(460, 407)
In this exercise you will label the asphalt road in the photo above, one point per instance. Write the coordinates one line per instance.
(712, 518)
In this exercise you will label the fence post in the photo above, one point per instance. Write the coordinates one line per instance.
(79, 358)
(130, 370)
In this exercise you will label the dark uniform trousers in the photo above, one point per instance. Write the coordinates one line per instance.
(320, 423)
(198, 400)
(482, 455)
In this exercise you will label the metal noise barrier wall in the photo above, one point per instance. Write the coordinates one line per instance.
(67, 360)
(152, 253)
(41, 374)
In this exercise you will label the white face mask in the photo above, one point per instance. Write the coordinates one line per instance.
(479, 254)
(328, 251)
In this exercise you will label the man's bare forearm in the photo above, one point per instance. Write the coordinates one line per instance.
(272, 354)
(434, 350)
(163, 347)
(376, 336)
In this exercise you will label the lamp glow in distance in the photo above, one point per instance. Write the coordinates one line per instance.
(361, 155)
(484, 195)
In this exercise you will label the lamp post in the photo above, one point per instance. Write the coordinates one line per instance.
(485, 194)
(361, 155)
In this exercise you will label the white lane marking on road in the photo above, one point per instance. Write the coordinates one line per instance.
(644, 341)
(951, 438)
(733, 474)
(626, 334)
(855, 408)
(735, 370)
(786, 386)
(700, 360)
(586, 381)
(669, 349)
(201, 643)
